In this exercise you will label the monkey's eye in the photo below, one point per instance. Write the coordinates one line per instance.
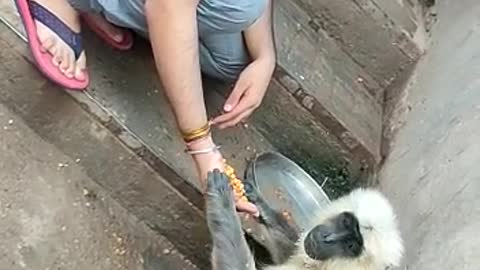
(352, 247)
(346, 222)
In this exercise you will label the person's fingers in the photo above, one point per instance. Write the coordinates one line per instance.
(239, 118)
(244, 104)
(247, 207)
(235, 96)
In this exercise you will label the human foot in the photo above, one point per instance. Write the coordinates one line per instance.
(116, 37)
(115, 32)
(64, 46)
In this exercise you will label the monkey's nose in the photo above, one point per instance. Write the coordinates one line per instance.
(327, 237)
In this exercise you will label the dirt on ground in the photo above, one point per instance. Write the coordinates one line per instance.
(48, 219)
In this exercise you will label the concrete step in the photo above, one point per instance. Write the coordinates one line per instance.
(126, 86)
(54, 215)
(152, 210)
(346, 58)
(123, 131)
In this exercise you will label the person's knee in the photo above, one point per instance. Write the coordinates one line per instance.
(231, 15)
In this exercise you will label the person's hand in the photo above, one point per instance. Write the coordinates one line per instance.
(207, 163)
(247, 93)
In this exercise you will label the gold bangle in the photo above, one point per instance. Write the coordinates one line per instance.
(193, 133)
(196, 134)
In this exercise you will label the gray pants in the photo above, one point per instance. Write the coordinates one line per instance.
(223, 53)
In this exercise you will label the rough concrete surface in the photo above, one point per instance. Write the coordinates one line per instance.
(329, 76)
(143, 204)
(52, 217)
(47, 222)
(139, 103)
(432, 173)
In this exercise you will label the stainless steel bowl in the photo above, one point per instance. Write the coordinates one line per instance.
(286, 186)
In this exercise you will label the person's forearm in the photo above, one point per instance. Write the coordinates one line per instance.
(173, 34)
(259, 36)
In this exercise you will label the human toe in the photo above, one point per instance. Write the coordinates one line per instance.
(80, 66)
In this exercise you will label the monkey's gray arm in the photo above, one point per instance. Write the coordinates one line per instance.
(230, 249)
(280, 236)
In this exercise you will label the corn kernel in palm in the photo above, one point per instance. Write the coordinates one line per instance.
(235, 183)
(240, 185)
(229, 171)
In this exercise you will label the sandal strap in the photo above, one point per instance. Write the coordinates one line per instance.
(50, 20)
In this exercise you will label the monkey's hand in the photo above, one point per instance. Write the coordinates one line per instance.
(230, 250)
(269, 217)
(219, 192)
(253, 195)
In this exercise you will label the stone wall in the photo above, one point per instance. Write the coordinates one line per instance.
(337, 61)
(432, 175)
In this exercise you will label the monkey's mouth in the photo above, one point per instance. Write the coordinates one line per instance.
(317, 241)
(326, 241)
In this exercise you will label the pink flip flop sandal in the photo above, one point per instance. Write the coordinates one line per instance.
(30, 11)
(124, 45)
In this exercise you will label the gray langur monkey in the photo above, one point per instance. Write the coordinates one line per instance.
(355, 232)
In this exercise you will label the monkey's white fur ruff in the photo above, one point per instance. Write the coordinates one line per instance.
(383, 245)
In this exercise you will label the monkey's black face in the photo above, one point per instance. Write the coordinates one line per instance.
(338, 237)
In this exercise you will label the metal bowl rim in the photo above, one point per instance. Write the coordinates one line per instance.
(290, 162)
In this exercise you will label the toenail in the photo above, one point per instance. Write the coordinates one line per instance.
(81, 76)
(118, 37)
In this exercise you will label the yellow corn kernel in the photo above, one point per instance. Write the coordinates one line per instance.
(235, 183)
(229, 171)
